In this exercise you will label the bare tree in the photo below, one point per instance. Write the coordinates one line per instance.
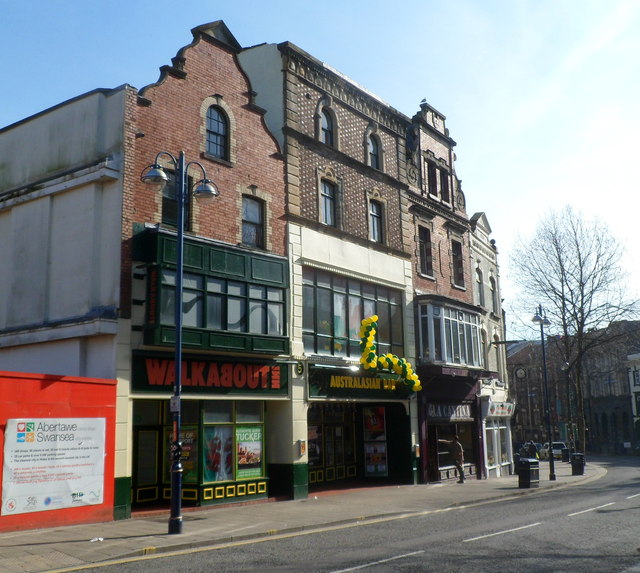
(574, 269)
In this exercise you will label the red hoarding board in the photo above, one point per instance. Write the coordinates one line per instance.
(54, 402)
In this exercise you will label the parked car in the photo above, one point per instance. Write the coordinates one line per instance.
(557, 448)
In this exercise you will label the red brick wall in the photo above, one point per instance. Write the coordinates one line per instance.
(173, 122)
(442, 283)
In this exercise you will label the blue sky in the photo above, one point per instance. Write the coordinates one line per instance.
(542, 96)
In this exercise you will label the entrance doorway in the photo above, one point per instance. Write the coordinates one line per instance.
(331, 442)
(147, 452)
(440, 462)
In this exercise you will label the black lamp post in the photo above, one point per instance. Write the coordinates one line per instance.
(541, 319)
(205, 190)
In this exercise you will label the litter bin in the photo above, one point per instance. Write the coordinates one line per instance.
(565, 455)
(528, 473)
(577, 464)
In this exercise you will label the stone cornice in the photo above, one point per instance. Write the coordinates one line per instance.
(431, 209)
(343, 89)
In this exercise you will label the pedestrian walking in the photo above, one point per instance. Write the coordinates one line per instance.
(457, 451)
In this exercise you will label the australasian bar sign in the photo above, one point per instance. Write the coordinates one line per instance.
(157, 374)
(329, 383)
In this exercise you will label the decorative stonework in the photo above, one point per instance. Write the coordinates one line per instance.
(350, 95)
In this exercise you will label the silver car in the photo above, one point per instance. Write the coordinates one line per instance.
(557, 448)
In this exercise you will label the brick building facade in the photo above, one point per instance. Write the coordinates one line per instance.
(377, 160)
(350, 258)
(332, 207)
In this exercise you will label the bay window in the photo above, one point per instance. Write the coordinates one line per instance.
(449, 335)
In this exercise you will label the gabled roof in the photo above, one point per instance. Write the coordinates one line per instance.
(218, 31)
(480, 220)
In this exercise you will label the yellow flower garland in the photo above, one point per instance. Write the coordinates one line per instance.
(387, 362)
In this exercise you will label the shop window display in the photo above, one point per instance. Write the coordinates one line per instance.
(233, 440)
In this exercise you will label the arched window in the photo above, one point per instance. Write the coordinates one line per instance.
(327, 130)
(494, 295)
(480, 287)
(217, 133)
(373, 148)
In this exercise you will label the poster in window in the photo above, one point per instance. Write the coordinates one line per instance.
(375, 459)
(218, 453)
(314, 438)
(249, 451)
(374, 424)
(375, 442)
(189, 456)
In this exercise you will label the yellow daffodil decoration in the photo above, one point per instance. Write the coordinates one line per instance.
(387, 362)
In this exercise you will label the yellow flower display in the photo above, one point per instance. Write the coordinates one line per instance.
(387, 362)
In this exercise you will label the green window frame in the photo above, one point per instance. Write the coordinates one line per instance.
(217, 303)
(334, 306)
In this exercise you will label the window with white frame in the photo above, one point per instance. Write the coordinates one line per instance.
(449, 335)
(217, 133)
(497, 441)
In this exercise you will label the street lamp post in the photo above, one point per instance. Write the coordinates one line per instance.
(542, 320)
(205, 190)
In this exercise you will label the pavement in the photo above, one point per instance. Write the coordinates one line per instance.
(75, 547)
